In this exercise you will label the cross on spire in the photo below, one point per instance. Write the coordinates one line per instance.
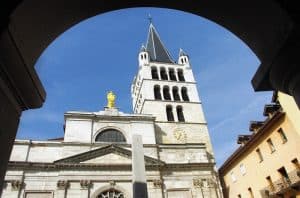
(150, 18)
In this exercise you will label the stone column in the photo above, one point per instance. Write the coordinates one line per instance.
(138, 168)
(62, 186)
(85, 188)
(17, 185)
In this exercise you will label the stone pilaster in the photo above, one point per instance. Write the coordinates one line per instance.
(85, 186)
(62, 186)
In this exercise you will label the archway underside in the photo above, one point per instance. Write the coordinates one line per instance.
(270, 28)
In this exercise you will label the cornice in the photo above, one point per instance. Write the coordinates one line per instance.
(14, 165)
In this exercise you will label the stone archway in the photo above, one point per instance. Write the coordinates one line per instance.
(113, 189)
(111, 193)
(270, 28)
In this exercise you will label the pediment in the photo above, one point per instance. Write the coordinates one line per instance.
(110, 158)
(111, 154)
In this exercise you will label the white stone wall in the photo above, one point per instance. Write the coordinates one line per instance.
(179, 155)
(78, 130)
(36, 151)
(84, 129)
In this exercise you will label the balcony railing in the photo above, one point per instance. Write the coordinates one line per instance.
(282, 185)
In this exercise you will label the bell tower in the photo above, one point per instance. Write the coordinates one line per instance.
(168, 90)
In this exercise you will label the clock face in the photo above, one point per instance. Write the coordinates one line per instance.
(180, 135)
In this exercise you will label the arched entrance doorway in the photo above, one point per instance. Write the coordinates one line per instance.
(111, 193)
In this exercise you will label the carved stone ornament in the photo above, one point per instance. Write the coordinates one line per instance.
(85, 184)
(62, 184)
(157, 183)
(16, 184)
(112, 183)
(180, 135)
(197, 182)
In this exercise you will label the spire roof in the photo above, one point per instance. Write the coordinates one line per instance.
(182, 53)
(156, 48)
(143, 49)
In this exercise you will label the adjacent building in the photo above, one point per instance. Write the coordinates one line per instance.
(267, 162)
(93, 159)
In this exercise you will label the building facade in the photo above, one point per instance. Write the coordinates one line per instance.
(93, 159)
(267, 162)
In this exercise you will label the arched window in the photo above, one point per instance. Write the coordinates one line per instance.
(175, 94)
(111, 193)
(184, 94)
(110, 135)
(163, 74)
(172, 75)
(157, 95)
(180, 114)
(154, 73)
(166, 93)
(142, 56)
(180, 75)
(169, 112)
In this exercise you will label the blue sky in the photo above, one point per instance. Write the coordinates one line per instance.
(100, 54)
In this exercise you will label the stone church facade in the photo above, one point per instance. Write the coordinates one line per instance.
(93, 159)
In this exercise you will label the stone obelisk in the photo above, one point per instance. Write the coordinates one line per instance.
(139, 182)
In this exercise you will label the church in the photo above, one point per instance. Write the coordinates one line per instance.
(94, 158)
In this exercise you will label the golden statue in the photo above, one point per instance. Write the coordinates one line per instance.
(111, 97)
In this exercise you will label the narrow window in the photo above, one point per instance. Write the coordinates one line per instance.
(233, 178)
(175, 94)
(180, 114)
(184, 94)
(242, 169)
(180, 75)
(163, 74)
(172, 75)
(166, 93)
(270, 183)
(284, 176)
(250, 192)
(157, 95)
(145, 56)
(282, 135)
(169, 112)
(271, 145)
(260, 157)
(296, 164)
(154, 73)
(142, 56)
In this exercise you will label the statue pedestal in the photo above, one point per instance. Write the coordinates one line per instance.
(113, 111)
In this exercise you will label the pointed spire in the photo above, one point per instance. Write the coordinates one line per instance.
(143, 48)
(182, 53)
(156, 48)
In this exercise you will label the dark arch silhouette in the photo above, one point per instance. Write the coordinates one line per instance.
(269, 27)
